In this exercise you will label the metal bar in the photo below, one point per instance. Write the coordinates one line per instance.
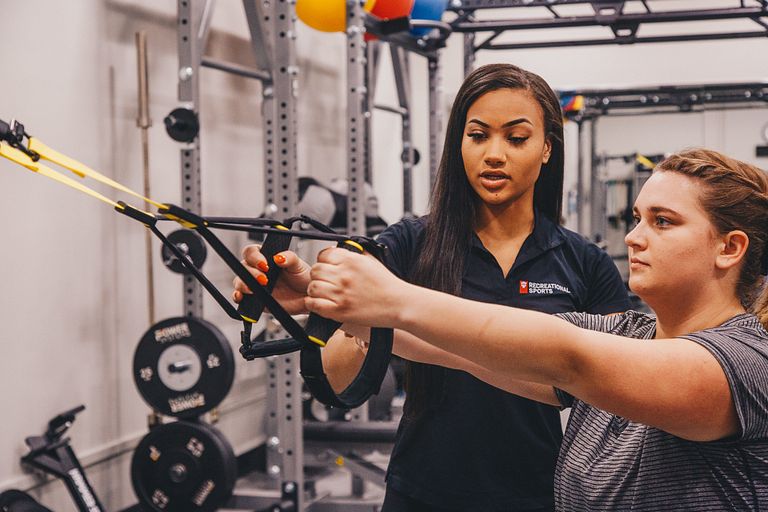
(634, 40)
(189, 20)
(403, 85)
(236, 69)
(258, 25)
(677, 112)
(469, 53)
(462, 6)
(285, 446)
(394, 110)
(370, 74)
(435, 117)
(205, 23)
(356, 92)
(597, 191)
(144, 122)
(591, 21)
(357, 136)
(487, 42)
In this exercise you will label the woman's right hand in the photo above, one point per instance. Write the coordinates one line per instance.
(291, 286)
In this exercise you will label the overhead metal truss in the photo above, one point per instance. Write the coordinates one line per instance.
(624, 18)
(667, 98)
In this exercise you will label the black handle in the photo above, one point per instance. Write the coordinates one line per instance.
(251, 306)
(259, 349)
(320, 329)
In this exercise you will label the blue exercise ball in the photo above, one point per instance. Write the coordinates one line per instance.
(427, 10)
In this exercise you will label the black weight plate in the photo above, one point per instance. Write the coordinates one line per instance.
(183, 366)
(189, 243)
(183, 467)
(182, 124)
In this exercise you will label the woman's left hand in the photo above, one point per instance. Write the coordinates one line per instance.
(351, 287)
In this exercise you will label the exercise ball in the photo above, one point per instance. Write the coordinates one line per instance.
(427, 10)
(391, 9)
(326, 15)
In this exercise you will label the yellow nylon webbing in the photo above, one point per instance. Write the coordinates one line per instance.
(82, 170)
(21, 158)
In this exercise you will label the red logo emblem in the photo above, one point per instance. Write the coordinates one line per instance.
(523, 287)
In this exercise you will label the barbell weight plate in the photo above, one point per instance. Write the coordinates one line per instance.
(182, 124)
(183, 467)
(189, 243)
(183, 367)
(179, 368)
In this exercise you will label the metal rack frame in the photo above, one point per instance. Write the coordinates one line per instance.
(623, 17)
(638, 101)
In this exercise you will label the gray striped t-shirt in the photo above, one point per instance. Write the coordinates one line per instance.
(607, 463)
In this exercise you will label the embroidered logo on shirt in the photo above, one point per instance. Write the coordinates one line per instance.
(531, 288)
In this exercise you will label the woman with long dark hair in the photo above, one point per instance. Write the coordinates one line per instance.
(493, 235)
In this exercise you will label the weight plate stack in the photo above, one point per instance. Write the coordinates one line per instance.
(183, 467)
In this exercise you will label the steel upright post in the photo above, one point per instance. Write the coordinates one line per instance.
(190, 18)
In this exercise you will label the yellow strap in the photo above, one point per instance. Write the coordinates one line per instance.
(21, 158)
(82, 170)
(317, 341)
(355, 245)
(248, 319)
(644, 161)
(184, 223)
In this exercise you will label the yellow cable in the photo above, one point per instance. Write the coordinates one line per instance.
(82, 170)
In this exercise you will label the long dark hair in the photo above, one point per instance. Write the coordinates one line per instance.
(442, 251)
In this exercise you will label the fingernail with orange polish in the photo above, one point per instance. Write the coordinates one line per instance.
(279, 259)
(262, 265)
(262, 280)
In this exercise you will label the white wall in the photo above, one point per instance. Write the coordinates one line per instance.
(73, 278)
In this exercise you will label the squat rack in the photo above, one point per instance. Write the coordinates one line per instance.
(273, 33)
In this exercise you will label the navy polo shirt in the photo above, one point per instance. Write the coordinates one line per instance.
(481, 448)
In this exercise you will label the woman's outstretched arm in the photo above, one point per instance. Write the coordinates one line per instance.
(673, 384)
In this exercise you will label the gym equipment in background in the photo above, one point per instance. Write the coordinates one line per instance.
(431, 10)
(183, 367)
(328, 15)
(52, 454)
(392, 9)
(190, 244)
(327, 204)
(183, 466)
(14, 500)
(182, 125)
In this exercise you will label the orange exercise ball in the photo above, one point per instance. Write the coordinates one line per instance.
(327, 15)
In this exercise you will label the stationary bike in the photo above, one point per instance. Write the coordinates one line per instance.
(52, 454)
